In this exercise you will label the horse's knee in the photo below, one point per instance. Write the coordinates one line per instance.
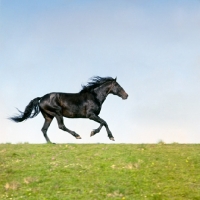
(62, 127)
(44, 133)
(44, 130)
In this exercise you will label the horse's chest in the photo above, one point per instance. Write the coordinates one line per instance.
(93, 107)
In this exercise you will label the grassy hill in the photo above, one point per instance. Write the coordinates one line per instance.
(99, 171)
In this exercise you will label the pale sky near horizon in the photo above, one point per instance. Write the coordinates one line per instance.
(153, 47)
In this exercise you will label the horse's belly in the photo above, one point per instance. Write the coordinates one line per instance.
(74, 113)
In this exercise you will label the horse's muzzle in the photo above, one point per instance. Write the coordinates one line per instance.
(125, 96)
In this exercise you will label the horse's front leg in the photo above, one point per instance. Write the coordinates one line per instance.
(102, 123)
(96, 130)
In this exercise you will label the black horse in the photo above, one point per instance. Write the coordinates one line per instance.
(85, 104)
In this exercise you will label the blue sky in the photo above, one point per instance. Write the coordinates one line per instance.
(153, 47)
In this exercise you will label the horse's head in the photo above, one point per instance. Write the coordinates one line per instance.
(116, 89)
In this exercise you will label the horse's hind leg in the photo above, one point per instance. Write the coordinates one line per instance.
(48, 120)
(62, 127)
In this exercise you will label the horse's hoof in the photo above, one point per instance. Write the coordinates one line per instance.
(78, 137)
(92, 133)
(112, 138)
(50, 143)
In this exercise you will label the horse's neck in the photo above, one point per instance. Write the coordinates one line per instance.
(101, 93)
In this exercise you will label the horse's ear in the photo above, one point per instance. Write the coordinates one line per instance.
(115, 79)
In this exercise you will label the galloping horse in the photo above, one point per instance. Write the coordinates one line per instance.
(85, 104)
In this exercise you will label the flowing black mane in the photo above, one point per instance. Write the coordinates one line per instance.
(95, 82)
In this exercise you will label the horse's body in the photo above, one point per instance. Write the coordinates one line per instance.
(85, 104)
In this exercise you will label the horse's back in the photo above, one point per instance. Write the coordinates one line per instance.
(69, 104)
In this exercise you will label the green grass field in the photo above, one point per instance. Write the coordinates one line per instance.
(100, 171)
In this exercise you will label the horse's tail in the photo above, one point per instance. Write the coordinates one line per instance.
(31, 110)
